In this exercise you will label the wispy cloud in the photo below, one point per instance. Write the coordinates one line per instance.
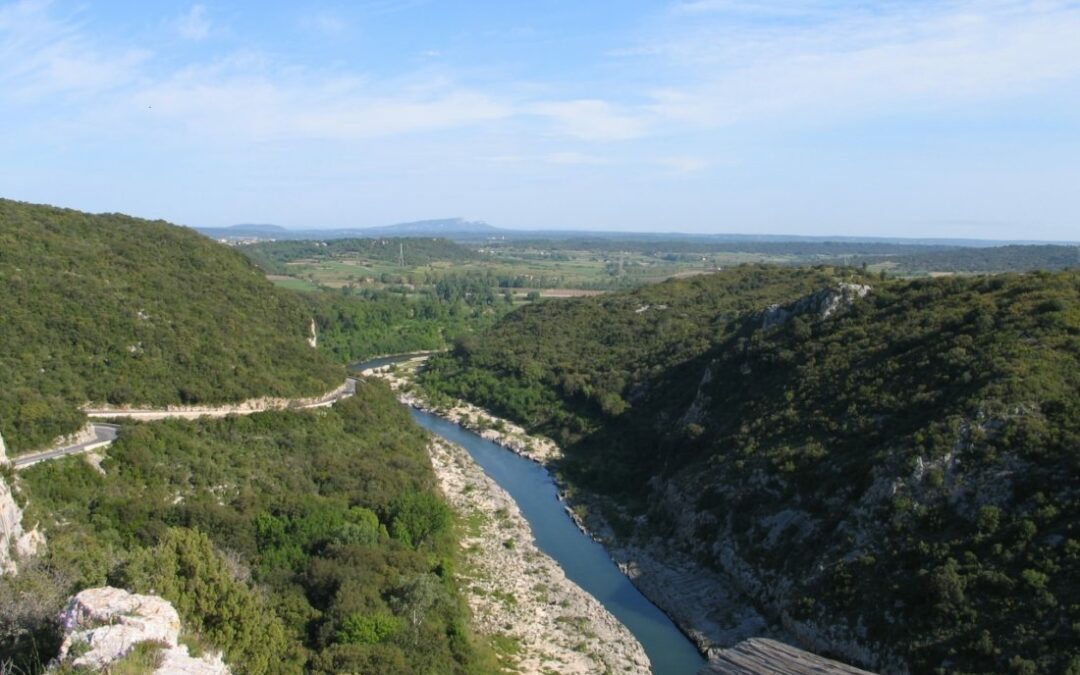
(41, 56)
(561, 158)
(575, 158)
(194, 25)
(770, 8)
(325, 23)
(592, 120)
(684, 163)
(242, 97)
(849, 63)
(244, 107)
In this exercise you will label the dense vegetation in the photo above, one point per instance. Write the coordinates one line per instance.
(292, 540)
(989, 259)
(904, 473)
(566, 367)
(274, 256)
(358, 325)
(109, 308)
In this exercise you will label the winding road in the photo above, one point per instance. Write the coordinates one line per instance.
(105, 434)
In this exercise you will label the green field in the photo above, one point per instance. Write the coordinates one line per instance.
(520, 269)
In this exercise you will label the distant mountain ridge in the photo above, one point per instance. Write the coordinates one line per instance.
(462, 230)
(441, 227)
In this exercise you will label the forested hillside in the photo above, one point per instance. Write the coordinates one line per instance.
(306, 541)
(109, 308)
(294, 541)
(567, 367)
(982, 259)
(897, 482)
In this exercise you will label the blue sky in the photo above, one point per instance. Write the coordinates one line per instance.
(946, 118)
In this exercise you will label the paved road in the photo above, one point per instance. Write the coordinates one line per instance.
(105, 434)
(243, 408)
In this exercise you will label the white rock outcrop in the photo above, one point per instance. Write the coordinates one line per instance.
(760, 656)
(102, 625)
(823, 304)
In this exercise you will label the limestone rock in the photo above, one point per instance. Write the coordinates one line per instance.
(15, 542)
(101, 625)
(822, 304)
(760, 656)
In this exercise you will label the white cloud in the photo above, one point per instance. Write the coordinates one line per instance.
(579, 158)
(775, 8)
(844, 64)
(243, 97)
(325, 23)
(194, 25)
(592, 120)
(243, 107)
(684, 163)
(42, 58)
(562, 158)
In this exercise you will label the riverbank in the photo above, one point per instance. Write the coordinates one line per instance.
(701, 602)
(474, 418)
(539, 620)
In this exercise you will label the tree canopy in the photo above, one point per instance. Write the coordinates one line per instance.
(113, 309)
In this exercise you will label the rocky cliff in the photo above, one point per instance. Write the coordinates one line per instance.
(821, 304)
(15, 542)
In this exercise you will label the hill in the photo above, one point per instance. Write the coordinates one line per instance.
(566, 368)
(293, 541)
(109, 308)
(894, 482)
(442, 227)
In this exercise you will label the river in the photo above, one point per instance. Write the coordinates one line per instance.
(585, 562)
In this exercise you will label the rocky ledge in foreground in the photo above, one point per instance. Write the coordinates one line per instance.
(761, 656)
(106, 626)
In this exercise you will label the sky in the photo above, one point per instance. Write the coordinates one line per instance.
(943, 118)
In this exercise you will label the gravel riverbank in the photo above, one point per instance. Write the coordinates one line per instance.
(541, 621)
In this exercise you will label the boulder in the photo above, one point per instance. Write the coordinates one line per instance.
(102, 625)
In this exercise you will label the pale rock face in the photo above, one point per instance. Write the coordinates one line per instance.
(314, 339)
(823, 304)
(10, 529)
(106, 623)
(15, 542)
